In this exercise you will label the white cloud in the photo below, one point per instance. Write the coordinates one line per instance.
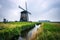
(18, 2)
(40, 9)
(0, 6)
(44, 5)
(13, 15)
(14, 1)
(53, 15)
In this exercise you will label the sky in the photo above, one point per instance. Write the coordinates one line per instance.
(39, 9)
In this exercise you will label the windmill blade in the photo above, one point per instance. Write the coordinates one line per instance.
(21, 8)
(29, 12)
(26, 5)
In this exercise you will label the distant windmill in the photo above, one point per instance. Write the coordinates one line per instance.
(24, 14)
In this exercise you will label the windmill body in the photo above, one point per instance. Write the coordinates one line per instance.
(24, 14)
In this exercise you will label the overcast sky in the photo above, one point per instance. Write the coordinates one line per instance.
(40, 9)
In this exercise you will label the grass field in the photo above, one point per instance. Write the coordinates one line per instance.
(49, 31)
(11, 29)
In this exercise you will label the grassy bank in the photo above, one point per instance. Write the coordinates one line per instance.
(11, 29)
(49, 31)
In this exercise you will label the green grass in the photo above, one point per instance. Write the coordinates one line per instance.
(51, 31)
(11, 29)
(55, 27)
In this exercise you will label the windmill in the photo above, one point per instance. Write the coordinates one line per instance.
(24, 14)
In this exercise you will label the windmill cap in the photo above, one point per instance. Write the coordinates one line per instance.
(24, 12)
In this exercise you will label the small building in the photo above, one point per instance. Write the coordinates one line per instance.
(44, 21)
(4, 20)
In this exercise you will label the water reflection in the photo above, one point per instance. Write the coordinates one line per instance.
(31, 33)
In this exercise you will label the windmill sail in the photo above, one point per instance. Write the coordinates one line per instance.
(21, 8)
(26, 5)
